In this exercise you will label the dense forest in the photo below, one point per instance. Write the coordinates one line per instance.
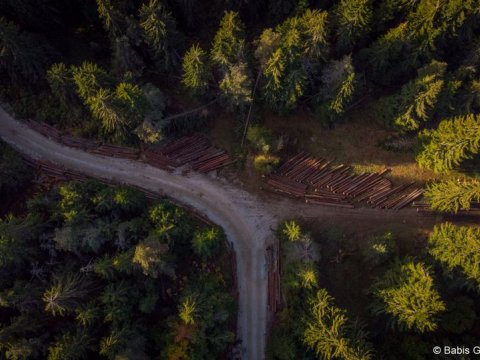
(92, 271)
(400, 305)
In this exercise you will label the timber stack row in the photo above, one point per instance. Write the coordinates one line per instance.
(194, 150)
(197, 152)
(317, 181)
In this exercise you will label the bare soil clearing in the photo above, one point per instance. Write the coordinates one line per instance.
(246, 218)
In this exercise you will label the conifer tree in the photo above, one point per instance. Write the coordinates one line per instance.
(329, 333)
(89, 78)
(65, 294)
(113, 19)
(196, 71)
(416, 102)
(352, 20)
(71, 346)
(61, 83)
(451, 195)
(229, 44)
(23, 57)
(236, 86)
(454, 140)
(407, 293)
(159, 30)
(337, 88)
(456, 248)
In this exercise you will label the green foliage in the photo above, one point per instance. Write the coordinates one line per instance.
(337, 89)
(61, 83)
(207, 242)
(228, 44)
(329, 333)
(125, 58)
(456, 248)
(265, 163)
(89, 78)
(112, 17)
(416, 102)
(187, 310)
(236, 86)
(260, 138)
(406, 292)
(93, 278)
(150, 256)
(23, 57)
(291, 231)
(159, 31)
(352, 19)
(451, 195)
(460, 315)
(379, 249)
(70, 346)
(454, 140)
(195, 70)
(288, 55)
(65, 294)
(14, 173)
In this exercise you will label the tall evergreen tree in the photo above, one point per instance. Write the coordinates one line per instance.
(452, 142)
(196, 71)
(337, 89)
(352, 20)
(113, 19)
(23, 57)
(228, 44)
(451, 195)
(330, 335)
(159, 30)
(65, 294)
(407, 293)
(416, 101)
(456, 247)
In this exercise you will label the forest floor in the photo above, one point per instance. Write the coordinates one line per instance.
(246, 217)
(354, 142)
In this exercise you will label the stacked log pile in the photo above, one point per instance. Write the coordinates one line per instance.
(273, 279)
(116, 151)
(45, 129)
(158, 160)
(196, 151)
(318, 182)
(79, 143)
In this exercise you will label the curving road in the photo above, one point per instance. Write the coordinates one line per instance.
(246, 218)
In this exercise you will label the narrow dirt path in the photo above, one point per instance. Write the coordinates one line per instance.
(246, 219)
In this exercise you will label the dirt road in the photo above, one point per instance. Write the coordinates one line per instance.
(246, 219)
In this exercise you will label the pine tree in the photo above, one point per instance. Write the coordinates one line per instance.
(105, 108)
(337, 89)
(150, 256)
(23, 57)
(125, 58)
(452, 142)
(407, 293)
(159, 31)
(416, 102)
(229, 44)
(290, 55)
(89, 78)
(71, 346)
(207, 242)
(352, 20)
(330, 335)
(61, 83)
(65, 294)
(188, 310)
(113, 19)
(456, 247)
(236, 86)
(291, 230)
(196, 71)
(451, 195)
